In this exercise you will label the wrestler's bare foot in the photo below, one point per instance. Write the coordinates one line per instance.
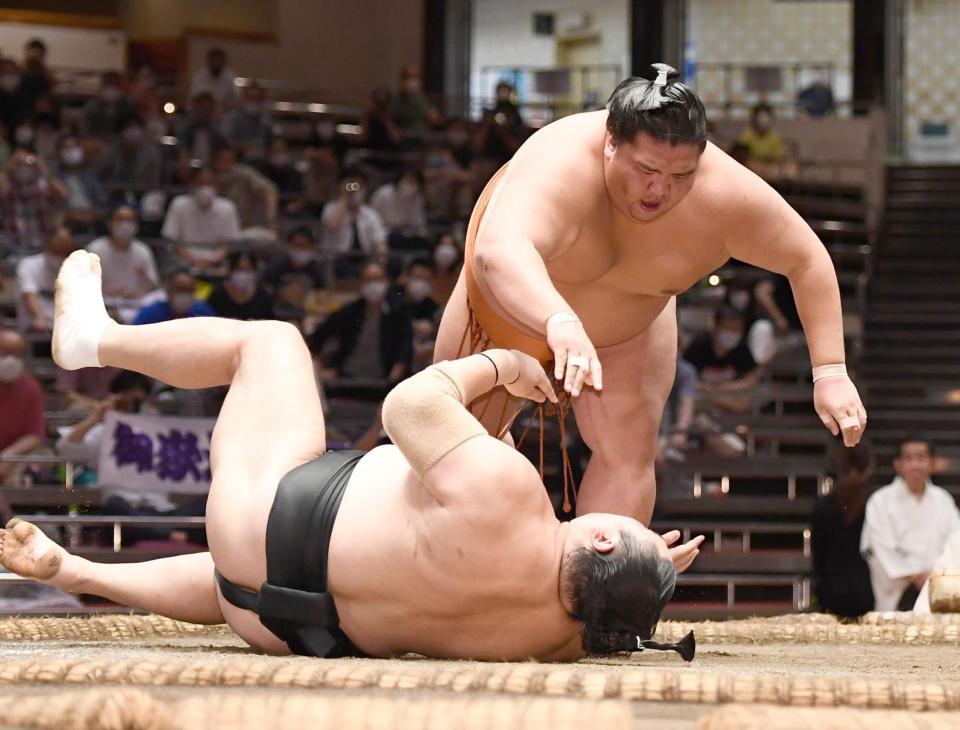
(26, 551)
(80, 316)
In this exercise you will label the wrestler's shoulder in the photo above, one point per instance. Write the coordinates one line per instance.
(721, 180)
(569, 138)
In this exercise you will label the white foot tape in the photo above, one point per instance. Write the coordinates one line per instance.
(80, 318)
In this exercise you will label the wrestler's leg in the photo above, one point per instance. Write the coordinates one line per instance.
(620, 423)
(180, 587)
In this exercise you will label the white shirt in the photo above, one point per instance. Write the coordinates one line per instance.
(903, 536)
(188, 223)
(949, 560)
(221, 88)
(35, 276)
(370, 230)
(401, 213)
(120, 274)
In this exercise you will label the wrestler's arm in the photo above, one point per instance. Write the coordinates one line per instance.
(427, 419)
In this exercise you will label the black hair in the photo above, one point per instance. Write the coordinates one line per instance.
(36, 43)
(618, 596)
(857, 458)
(915, 438)
(353, 173)
(301, 231)
(128, 380)
(726, 313)
(761, 108)
(670, 112)
(235, 257)
(216, 51)
(420, 261)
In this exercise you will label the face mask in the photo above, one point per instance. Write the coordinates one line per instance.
(445, 254)
(180, 303)
(739, 300)
(726, 340)
(253, 108)
(407, 187)
(26, 174)
(411, 86)
(204, 195)
(132, 135)
(124, 230)
(279, 159)
(111, 94)
(72, 156)
(300, 257)
(23, 135)
(9, 82)
(11, 368)
(244, 279)
(326, 130)
(374, 291)
(418, 289)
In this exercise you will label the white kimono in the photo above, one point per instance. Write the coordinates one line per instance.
(903, 536)
(949, 560)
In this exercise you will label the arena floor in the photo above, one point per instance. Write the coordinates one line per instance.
(129, 672)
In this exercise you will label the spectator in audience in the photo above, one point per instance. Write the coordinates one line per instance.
(497, 139)
(448, 258)
(201, 224)
(149, 104)
(278, 166)
(417, 290)
(764, 143)
(22, 428)
(723, 360)
(249, 126)
(181, 302)
(410, 108)
(351, 228)
(906, 527)
(85, 198)
(216, 79)
(132, 163)
(129, 267)
(774, 300)
(295, 277)
(29, 195)
(36, 277)
(13, 106)
(320, 182)
(504, 104)
(816, 99)
(46, 123)
(841, 578)
(254, 195)
(81, 444)
(373, 334)
(198, 136)
(104, 114)
(380, 132)
(36, 78)
(239, 296)
(326, 137)
(401, 208)
(760, 337)
(448, 180)
(677, 420)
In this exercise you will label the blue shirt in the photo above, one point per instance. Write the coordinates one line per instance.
(161, 312)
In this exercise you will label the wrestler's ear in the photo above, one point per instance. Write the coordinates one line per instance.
(603, 541)
(609, 146)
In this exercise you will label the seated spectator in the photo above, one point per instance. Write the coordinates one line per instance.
(132, 161)
(400, 207)
(103, 115)
(764, 143)
(372, 334)
(85, 198)
(448, 179)
(320, 182)
(254, 195)
(239, 296)
(295, 277)
(841, 578)
(36, 79)
(504, 105)
(181, 301)
(677, 420)
(81, 444)
(201, 224)
(380, 132)
(410, 108)
(198, 137)
(36, 278)
(129, 267)
(448, 259)
(760, 337)
(723, 360)
(326, 137)
(497, 139)
(215, 79)
(149, 104)
(279, 167)
(29, 195)
(352, 229)
(816, 99)
(774, 301)
(22, 428)
(46, 124)
(249, 126)
(906, 527)
(417, 283)
(13, 106)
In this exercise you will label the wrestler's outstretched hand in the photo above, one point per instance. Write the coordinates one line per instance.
(838, 404)
(682, 555)
(532, 382)
(575, 358)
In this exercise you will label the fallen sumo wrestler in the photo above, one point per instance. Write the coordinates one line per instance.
(444, 544)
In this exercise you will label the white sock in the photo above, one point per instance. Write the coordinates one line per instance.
(81, 317)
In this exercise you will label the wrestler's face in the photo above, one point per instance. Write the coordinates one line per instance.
(646, 178)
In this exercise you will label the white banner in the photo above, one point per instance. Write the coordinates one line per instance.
(155, 453)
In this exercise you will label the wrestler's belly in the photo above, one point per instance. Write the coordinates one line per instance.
(612, 317)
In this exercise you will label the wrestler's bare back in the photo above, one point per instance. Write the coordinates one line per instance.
(606, 262)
